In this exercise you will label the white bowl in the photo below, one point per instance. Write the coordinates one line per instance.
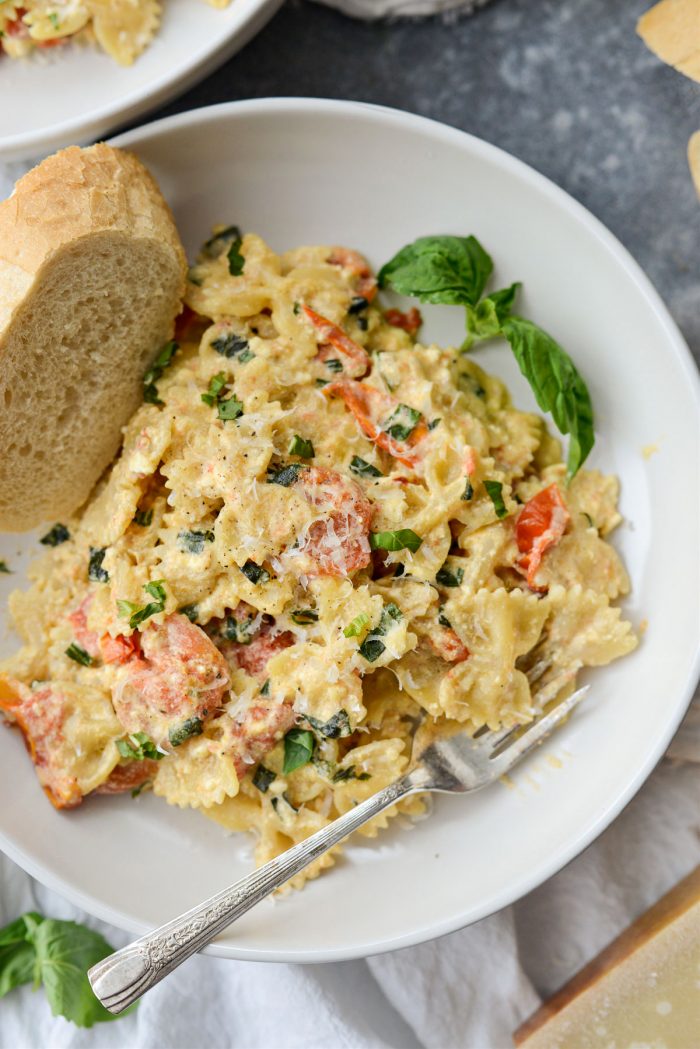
(76, 94)
(303, 171)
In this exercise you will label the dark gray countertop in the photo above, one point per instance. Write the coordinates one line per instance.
(565, 85)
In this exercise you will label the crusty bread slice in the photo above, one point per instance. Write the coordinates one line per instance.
(92, 274)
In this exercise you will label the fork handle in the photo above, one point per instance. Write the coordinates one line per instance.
(124, 976)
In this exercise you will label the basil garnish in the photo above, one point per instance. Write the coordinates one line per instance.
(301, 447)
(468, 491)
(238, 630)
(286, 475)
(236, 261)
(193, 542)
(79, 655)
(212, 248)
(96, 573)
(364, 469)
(399, 539)
(451, 270)
(4, 570)
(55, 536)
(333, 364)
(139, 747)
(190, 611)
(356, 625)
(231, 345)
(143, 517)
(349, 773)
(137, 615)
(447, 578)
(187, 730)
(263, 778)
(495, 491)
(372, 647)
(302, 616)
(256, 573)
(402, 422)
(230, 409)
(357, 304)
(216, 385)
(162, 361)
(336, 727)
(298, 749)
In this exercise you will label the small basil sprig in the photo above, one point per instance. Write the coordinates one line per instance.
(298, 749)
(455, 271)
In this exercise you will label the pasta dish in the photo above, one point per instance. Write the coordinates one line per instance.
(322, 542)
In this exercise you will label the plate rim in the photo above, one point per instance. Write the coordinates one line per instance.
(103, 120)
(564, 854)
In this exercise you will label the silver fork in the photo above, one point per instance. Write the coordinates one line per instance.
(457, 764)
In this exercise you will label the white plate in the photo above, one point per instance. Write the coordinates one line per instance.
(74, 94)
(329, 172)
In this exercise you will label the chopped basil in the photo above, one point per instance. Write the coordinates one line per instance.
(495, 491)
(322, 382)
(357, 304)
(447, 578)
(189, 728)
(162, 361)
(400, 539)
(265, 689)
(336, 727)
(54, 19)
(216, 385)
(79, 654)
(236, 261)
(286, 476)
(372, 647)
(231, 345)
(399, 570)
(143, 517)
(302, 616)
(364, 469)
(298, 749)
(263, 778)
(55, 536)
(256, 573)
(137, 615)
(96, 573)
(216, 245)
(349, 773)
(588, 518)
(4, 570)
(238, 630)
(301, 447)
(402, 422)
(356, 625)
(434, 423)
(193, 542)
(468, 491)
(333, 364)
(190, 611)
(276, 803)
(442, 618)
(147, 782)
(139, 747)
(230, 409)
(295, 309)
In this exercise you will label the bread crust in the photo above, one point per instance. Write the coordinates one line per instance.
(72, 194)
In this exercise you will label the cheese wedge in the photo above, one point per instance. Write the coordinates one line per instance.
(643, 991)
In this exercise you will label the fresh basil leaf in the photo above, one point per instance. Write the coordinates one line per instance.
(55, 536)
(17, 955)
(556, 384)
(434, 423)
(402, 422)
(445, 577)
(162, 361)
(301, 447)
(485, 319)
(230, 408)
(364, 469)
(400, 539)
(265, 688)
(298, 749)
(187, 730)
(286, 476)
(372, 647)
(136, 615)
(333, 364)
(356, 625)
(216, 385)
(143, 518)
(256, 573)
(192, 542)
(64, 953)
(236, 261)
(451, 270)
(139, 747)
(442, 619)
(231, 345)
(495, 492)
(79, 655)
(303, 616)
(191, 611)
(336, 727)
(468, 491)
(263, 778)
(238, 630)
(96, 573)
(358, 304)
(156, 589)
(4, 570)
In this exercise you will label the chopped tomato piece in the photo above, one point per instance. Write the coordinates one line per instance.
(332, 335)
(354, 262)
(86, 638)
(369, 405)
(338, 543)
(40, 716)
(254, 657)
(119, 649)
(447, 644)
(259, 729)
(128, 776)
(540, 525)
(409, 321)
(181, 675)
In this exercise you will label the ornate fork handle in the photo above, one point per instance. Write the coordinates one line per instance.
(124, 976)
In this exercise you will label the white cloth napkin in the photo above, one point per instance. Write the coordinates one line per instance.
(468, 990)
